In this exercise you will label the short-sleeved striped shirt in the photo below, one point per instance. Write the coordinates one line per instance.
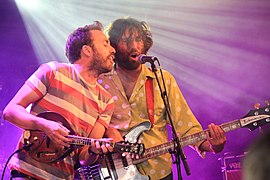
(61, 89)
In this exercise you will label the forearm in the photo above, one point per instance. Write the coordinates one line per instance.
(17, 115)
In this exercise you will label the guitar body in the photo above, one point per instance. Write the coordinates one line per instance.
(43, 149)
(105, 169)
(116, 166)
(112, 168)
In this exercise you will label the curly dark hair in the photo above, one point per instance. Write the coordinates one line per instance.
(78, 38)
(118, 27)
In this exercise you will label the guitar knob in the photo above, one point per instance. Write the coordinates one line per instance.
(257, 106)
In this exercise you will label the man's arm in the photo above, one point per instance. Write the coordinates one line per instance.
(16, 113)
(89, 154)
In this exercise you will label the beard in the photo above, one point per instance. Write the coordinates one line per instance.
(124, 61)
(100, 63)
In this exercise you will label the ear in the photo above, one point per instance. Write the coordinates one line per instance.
(87, 50)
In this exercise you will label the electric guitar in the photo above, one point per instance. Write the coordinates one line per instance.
(43, 150)
(116, 166)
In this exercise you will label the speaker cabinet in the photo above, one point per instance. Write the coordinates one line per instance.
(231, 165)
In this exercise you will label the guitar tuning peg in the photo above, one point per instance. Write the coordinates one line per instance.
(267, 102)
(257, 106)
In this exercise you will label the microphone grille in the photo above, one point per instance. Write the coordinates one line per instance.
(140, 57)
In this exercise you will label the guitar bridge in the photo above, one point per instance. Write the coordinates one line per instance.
(46, 155)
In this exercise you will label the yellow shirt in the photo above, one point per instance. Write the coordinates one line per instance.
(131, 112)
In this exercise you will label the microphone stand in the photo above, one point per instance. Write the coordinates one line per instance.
(177, 146)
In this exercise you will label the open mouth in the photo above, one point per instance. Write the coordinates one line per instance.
(134, 55)
(111, 58)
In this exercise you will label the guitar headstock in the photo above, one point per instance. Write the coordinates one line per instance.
(257, 117)
(133, 148)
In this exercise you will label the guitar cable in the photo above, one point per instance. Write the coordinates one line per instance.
(25, 147)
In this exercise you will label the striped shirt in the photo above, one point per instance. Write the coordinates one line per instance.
(61, 89)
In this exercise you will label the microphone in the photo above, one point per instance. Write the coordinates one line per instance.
(144, 58)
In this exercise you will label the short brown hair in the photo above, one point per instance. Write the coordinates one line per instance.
(78, 38)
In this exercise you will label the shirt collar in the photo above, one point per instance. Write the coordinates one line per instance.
(147, 72)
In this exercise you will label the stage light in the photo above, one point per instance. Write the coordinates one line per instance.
(197, 42)
(29, 4)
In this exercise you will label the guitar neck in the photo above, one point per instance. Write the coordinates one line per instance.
(81, 141)
(154, 152)
(77, 140)
(197, 137)
(185, 141)
(136, 148)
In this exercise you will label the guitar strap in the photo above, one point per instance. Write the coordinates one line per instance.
(149, 90)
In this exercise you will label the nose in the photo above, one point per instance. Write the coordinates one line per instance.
(113, 50)
(135, 44)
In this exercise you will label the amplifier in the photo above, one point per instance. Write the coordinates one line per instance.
(231, 165)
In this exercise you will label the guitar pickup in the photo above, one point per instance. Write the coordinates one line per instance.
(124, 160)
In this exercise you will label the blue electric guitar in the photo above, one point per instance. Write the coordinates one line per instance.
(118, 166)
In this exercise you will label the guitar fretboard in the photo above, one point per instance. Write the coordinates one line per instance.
(185, 141)
(117, 147)
(197, 137)
(77, 140)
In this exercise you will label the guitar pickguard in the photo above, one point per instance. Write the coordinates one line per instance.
(135, 132)
(113, 168)
(119, 166)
